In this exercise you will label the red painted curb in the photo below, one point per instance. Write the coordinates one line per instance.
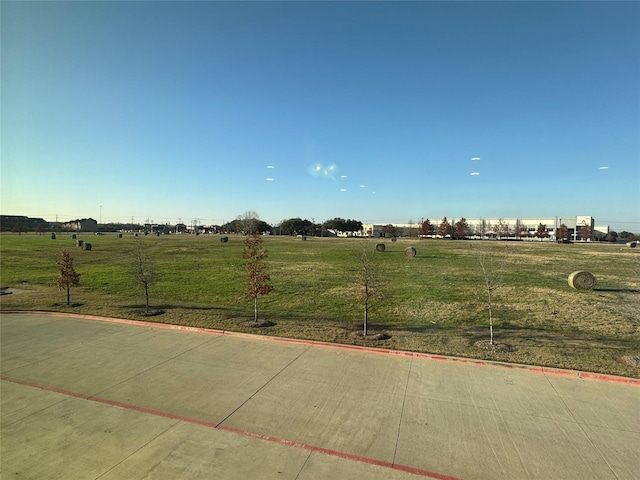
(532, 368)
(237, 431)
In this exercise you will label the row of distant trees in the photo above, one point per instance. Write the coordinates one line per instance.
(249, 222)
(502, 229)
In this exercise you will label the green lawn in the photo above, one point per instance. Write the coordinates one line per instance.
(434, 302)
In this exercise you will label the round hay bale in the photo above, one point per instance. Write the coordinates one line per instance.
(79, 243)
(224, 239)
(632, 244)
(304, 238)
(74, 236)
(87, 246)
(409, 252)
(53, 236)
(582, 280)
(119, 235)
(380, 247)
(394, 239)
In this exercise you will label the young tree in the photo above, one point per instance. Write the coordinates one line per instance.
(521, 229)
(502, 228)
(562, 233)
(460, 229)
(258, 279)
(367, 285)
(142, 270)
(68, 277)
(445, 228)
(492, 276)
(427, 228)
(40, 228)
(18, 227)
(585, 232)
(541, 232)
(389, 230)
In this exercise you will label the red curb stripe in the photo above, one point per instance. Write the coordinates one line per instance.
(238, 431)
(532, 368)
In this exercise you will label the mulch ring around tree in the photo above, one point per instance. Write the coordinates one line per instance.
(495, 346)
(152, 313)
(259, 323)
(371, 335)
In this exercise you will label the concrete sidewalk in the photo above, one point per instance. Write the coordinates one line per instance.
(92, 399)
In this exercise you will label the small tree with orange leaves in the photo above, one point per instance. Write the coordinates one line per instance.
(68, 277)
(258, 279)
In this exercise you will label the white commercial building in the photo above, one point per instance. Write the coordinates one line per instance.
(499, 228)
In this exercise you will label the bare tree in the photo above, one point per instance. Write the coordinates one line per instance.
(142, 270)
(492, 275)
(67, 277)
(502, 229)
(258, 279)
(18, 227)
(248, 222)
(367, 284)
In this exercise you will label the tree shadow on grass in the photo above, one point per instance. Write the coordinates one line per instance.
(178, 307)
(619, 290)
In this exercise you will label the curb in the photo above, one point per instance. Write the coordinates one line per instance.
(427, 356)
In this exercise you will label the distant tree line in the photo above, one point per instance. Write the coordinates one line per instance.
(249, 223)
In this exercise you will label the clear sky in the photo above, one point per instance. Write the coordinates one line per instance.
(376, 111)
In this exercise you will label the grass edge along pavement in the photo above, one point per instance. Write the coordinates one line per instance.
(433, 302)
(376, 350)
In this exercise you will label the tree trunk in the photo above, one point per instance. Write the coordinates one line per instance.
(146, 296)
(255, 308)
(68, 295)
(366, 318)
(490, 321)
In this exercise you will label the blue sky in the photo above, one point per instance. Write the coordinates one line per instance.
(367, 110)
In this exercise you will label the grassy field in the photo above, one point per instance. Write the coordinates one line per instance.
(434, 302)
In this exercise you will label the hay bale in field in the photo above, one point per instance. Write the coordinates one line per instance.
(582, 280)
(632, 244)
(53, 236)
(87, 246)
(394, 239)
(79, 243)
(380, 247)
(409, 252)
(224, 239)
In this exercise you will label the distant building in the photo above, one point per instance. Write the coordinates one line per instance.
(11, 223)
(81, 225)
(502, 228)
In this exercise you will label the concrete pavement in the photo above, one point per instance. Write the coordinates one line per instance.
(90, 399)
